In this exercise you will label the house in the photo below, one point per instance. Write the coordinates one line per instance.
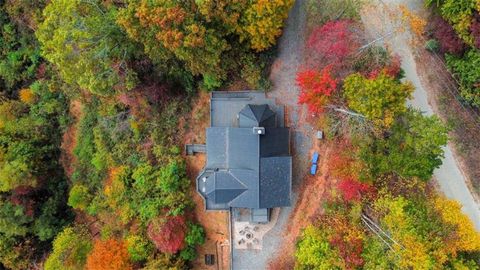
(248, 155)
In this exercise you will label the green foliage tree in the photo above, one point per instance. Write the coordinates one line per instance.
(195, 236)
(70, 250)
(467, 70)
(315, 252)
(412, 148)
(19, 54)
(375, 255)
(32, 209)
(83, 41)
(79, 197)
(13, 221)
(139, 248)
(379, 99)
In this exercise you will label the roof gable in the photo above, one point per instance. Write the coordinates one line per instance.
(246, 169)
(256, 116)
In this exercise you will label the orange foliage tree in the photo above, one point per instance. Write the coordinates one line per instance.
(109, 255)
(415, 22)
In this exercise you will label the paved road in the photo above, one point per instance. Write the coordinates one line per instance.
(285, 92)
(449, 176)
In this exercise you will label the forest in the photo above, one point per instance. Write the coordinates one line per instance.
(382, 211)
(91, 170)
(93, 94)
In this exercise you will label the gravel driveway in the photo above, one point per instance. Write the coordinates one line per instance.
(285, 92)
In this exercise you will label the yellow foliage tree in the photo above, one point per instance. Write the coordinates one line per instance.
(467, 238)
(262, 22)
(413, 251)
(114, 191)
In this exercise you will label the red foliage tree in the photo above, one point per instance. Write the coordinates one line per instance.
(109, 255)
(332, 43)
(447, 37)
(349, 249)
(168, 235)
(347, 238)
(352, 190)
(315, 88)
(392, 68)
(343, 164)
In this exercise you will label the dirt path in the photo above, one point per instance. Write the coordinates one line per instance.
(379, 19)
(215, 223)
(69, 140)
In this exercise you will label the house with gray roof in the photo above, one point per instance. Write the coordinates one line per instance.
(248, 155)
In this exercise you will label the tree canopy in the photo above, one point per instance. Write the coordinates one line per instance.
(379, 99)
(70, 250)
(412, 148)
(86, 45)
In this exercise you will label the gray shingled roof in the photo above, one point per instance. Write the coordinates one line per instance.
(256, 116)
(245, 169)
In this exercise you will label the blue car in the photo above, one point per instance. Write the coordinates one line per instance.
(313, 169)
(315, 158)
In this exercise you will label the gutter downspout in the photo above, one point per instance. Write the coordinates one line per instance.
(230, 224)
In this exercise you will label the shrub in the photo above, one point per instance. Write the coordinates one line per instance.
(432, 45)
(447, 38)
(195, 236)
(165, 261)
(321, 11)
(371, 59)
(467, 70)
